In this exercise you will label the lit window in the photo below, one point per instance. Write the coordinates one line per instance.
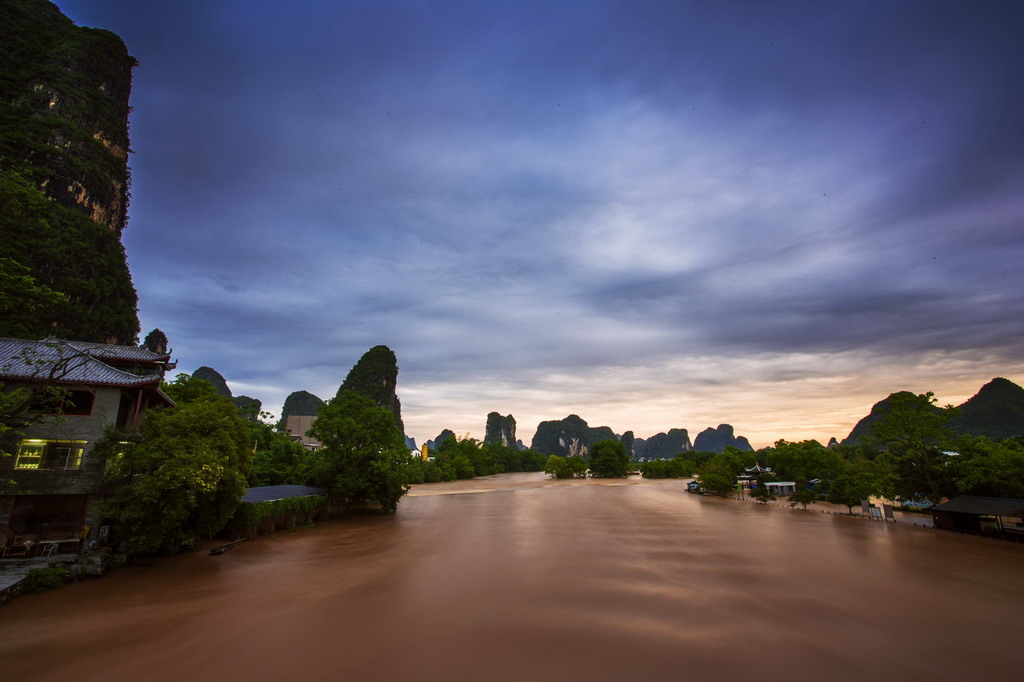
(50, 454)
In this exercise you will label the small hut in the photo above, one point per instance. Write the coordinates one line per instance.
(1000, 516)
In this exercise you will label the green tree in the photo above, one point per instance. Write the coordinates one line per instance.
(989, 469)
(565, 467)
(187, 389)
(656, 468)
(277, 459)
(716, 477)
(802, 495)
(609, 459)
(183, 477)
(804, 460)
(850, 489)
(364, 455)
(914, 434)
(762, 493)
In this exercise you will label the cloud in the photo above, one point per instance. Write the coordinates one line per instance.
(678, 214)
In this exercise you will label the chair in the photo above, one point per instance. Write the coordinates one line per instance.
(19, 547)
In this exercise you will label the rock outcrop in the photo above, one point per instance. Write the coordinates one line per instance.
(301, 404)
(717, 440)
(441, 438)
(628, 441)
(500, 430)
(665, 445)
(375, 376)
(569, 436)
(64, 174)
(248, 408)
(220, 384)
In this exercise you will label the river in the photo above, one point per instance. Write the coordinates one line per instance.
(519, 578)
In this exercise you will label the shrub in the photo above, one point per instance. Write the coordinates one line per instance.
(42, 579)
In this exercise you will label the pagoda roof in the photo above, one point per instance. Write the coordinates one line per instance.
(69, 362)
(110, 352)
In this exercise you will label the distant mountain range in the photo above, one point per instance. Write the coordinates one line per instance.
(996, 412)
(573, 435)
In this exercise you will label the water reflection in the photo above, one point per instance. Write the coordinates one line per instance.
(533, 579)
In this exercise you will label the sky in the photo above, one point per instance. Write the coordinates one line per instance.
(651, 214)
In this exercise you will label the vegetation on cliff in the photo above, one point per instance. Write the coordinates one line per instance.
(375, 376)
(63, 173)
(73, 269)
(301, 403)
(568, 437)
(500, 429)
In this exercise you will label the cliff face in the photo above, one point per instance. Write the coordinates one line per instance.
(569, 436)
(64, 93)
(500, 430)
(64, 173)
(665, 445)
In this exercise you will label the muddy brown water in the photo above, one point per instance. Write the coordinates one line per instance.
(518, 578)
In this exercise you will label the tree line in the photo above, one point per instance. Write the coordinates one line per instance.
(913, 456)
(183, 475)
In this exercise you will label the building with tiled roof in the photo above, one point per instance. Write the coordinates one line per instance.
(56, 484)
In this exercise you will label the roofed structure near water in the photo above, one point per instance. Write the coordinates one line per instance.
(983, 515)
(272, 493)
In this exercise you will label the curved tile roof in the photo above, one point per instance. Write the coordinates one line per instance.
(65, 363)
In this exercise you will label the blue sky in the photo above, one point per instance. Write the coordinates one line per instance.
(651, 214)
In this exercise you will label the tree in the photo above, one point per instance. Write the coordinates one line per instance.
(609, 459)
(914, 433)
(183, 476)
(762, 493)
(850, 489)
(187, 389)
(989, 469)
(364, 455)
(802, 495)
(716, 477)
(565, 467)
(807, 460)
(277, 459)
